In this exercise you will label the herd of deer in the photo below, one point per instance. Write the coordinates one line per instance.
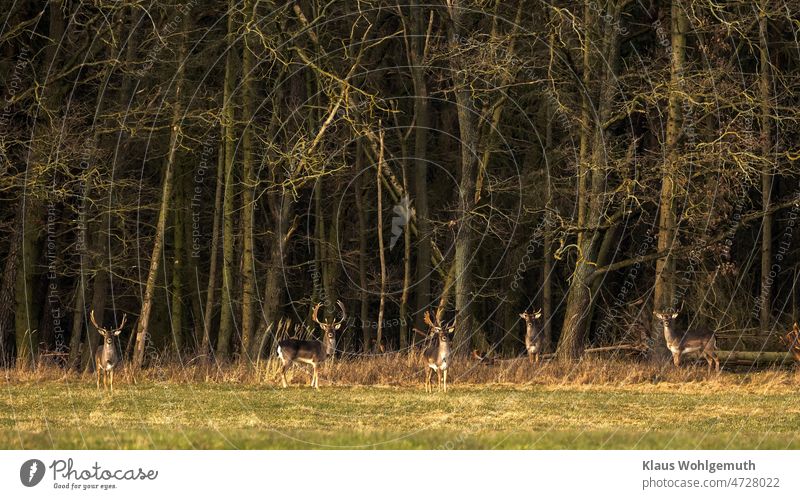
(437, 355)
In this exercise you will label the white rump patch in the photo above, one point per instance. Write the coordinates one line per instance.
(280, 353)
(433, 366)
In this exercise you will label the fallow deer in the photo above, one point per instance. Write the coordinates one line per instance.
(106, 358)
(534, 336)
(311, 351)
(792, 342)
(692, 340)
(483, 358)
(437, 355)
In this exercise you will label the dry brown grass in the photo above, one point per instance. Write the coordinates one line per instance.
(395, 369)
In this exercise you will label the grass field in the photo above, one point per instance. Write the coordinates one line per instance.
(732, 411)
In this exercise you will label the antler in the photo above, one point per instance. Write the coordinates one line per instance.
(94, 322)
(124, 319)
(428, 319)
(314, 313)
(344, 312)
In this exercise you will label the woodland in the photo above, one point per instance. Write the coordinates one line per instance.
(213, 169)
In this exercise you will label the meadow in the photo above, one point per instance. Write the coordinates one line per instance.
(380, 404)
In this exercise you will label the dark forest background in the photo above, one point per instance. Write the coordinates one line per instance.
(213, 169)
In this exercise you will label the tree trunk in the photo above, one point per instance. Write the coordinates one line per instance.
(166, 193)
(176, 294)
(578, 313)
(366, 330)
(379, 226)
(765, 301)
(664, 290)
(228, 124)
(421, 137)
(208, 314)
(7, 287)
(466, 195)
(248, 279)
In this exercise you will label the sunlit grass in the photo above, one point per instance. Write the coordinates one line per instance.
(71, 413)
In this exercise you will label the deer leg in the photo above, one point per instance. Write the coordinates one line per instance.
(111, 375)
(438, 380)
(315, 377)
(445, 380)
(284, 368)
(97, 371)
(428, 373)
(530, 357)
(676, 359)
(713, 357)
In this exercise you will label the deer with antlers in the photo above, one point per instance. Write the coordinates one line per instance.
(437, 355)
(534, 336)
(311, 351)
(106, 357)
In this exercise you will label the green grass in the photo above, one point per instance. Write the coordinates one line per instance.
(72, 414)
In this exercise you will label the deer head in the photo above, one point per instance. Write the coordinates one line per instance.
(108, 334)
(329, 329)
(444, 333)
(531, 316)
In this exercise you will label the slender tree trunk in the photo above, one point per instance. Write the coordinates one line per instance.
(166, 194)
(466, 195)
(366, 330)
(766, 173)
(379, 225)
(226, 312)
(248, 279)
(406, 207)
(208, 314)
(664, 290)
(176, 295)
(586, 116)
(421, 136)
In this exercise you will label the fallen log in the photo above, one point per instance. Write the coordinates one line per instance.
(755, 357)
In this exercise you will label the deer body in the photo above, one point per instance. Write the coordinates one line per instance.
(106, 357)
(437, 354)
(311, 352)
(689, 341)
(534, 336)
(792, 342)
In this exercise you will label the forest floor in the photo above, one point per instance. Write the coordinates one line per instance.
(732, 411)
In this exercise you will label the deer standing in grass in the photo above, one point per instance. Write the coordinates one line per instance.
(792, 342)
(311, 351)
(534, 336)
(680, 342)
(106, 358)
(437, 355)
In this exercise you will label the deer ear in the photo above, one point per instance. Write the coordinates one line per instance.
(451, 330)
(674, 315)
(523, 316)
(538, 315)
(116, 333)
(337, 326)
